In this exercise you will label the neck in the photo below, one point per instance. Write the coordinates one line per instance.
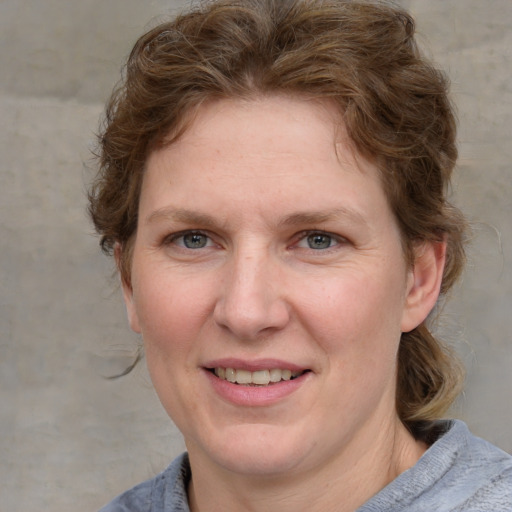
(343, 483)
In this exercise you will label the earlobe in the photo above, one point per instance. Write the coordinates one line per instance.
(424, 283)
(126, 284)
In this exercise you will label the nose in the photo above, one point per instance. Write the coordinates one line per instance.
(251, 303)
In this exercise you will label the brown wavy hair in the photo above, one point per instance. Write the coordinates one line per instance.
(360, 56)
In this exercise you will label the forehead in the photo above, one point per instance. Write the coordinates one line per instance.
(262, 127)
(268, 149)
(242, 118)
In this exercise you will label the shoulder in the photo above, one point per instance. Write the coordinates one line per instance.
(459, 472)
(166, 491)
(481, 474)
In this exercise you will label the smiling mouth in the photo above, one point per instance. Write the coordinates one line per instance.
(257, 378)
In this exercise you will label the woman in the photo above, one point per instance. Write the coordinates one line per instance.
(272, 186)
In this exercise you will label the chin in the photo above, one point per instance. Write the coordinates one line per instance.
(259, 450)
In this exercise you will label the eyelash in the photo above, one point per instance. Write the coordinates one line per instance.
(334, 240)
(173, 238)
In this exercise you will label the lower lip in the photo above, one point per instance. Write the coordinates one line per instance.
(255, 396)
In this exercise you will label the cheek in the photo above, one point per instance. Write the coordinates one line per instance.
(173, 314)
(171, 311)
(356, 322)
(356, 317)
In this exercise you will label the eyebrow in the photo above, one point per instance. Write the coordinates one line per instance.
(319, 217)
(181, 215)
(294, 219)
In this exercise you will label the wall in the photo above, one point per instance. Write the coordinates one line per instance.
(71, 439)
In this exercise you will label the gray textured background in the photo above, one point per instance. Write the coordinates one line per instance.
(71, 440)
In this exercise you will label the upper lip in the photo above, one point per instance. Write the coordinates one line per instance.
(254, 365)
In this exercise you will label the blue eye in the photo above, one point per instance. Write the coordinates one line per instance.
(189, 240)
(319, 241)
(194, 240)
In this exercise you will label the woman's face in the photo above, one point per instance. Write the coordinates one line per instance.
(267, 251)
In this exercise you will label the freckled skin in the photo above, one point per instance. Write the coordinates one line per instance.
(256, 179)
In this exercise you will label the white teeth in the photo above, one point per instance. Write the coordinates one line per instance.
(261, 377)
(275, 375)
(258, 378)
(230, 375)
(243, 377)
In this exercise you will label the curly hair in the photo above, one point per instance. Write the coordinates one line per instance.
(359, 55)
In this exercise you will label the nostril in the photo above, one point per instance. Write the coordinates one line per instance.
(248, 314)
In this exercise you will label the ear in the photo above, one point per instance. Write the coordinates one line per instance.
(424, 283)
(131, 310)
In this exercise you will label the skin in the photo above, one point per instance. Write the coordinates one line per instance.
(297, 259)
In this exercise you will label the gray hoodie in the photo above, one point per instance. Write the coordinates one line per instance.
(459, 472)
